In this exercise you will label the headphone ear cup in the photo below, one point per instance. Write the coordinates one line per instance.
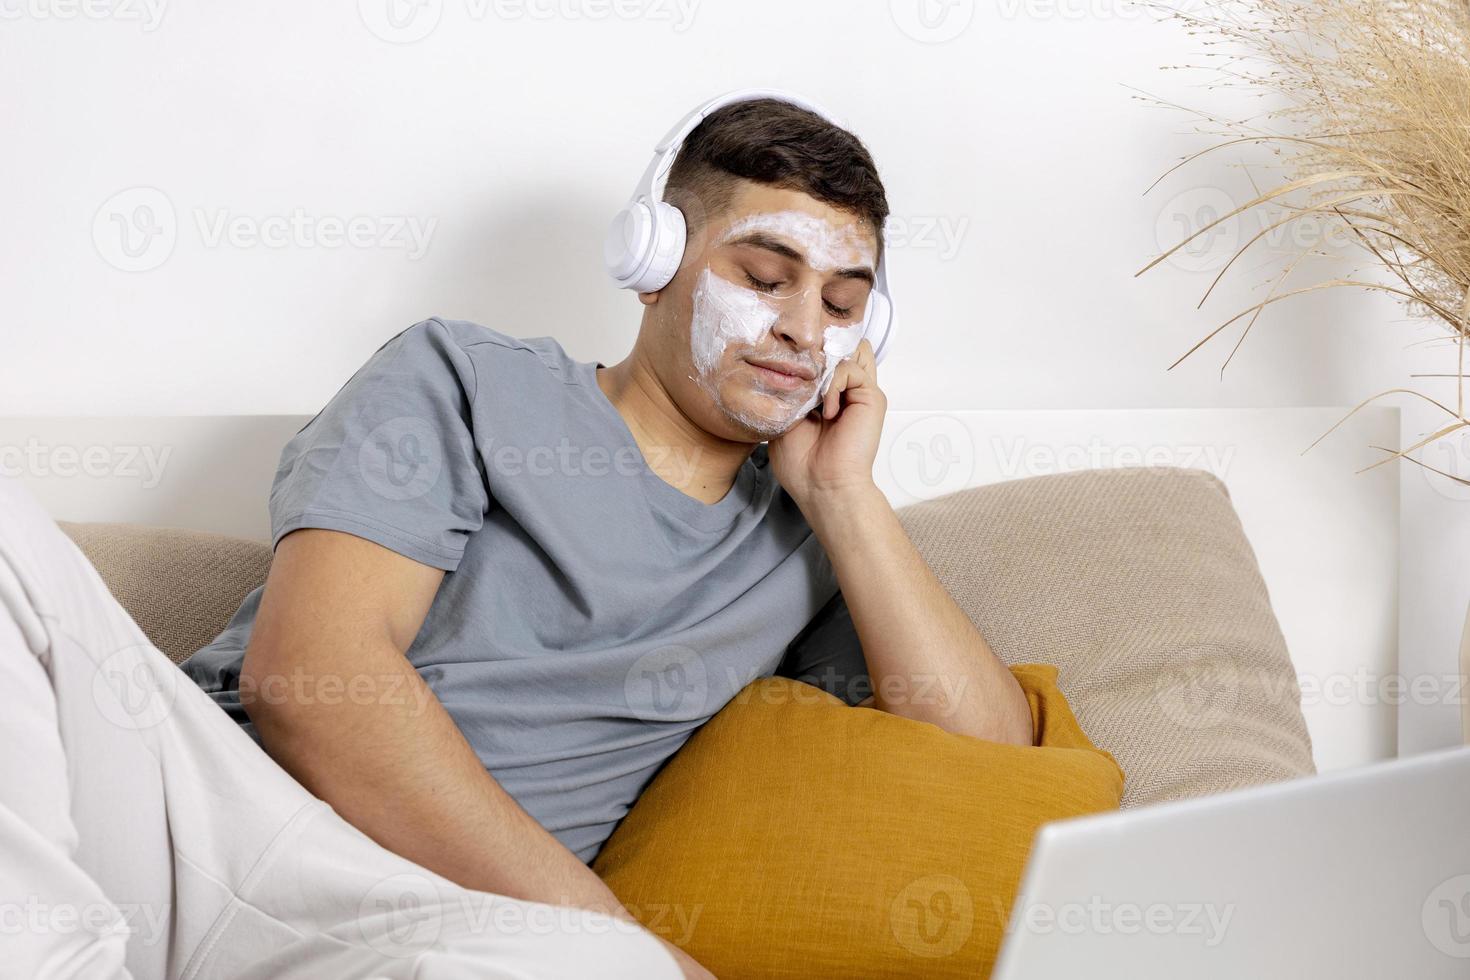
(667, 249)
(879, 324)
(628, 242)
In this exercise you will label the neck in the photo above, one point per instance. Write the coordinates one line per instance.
(682, 454)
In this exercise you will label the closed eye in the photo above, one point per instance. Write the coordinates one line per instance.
(770, 287)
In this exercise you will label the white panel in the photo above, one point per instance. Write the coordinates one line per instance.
(1435, 551)
(210, 473)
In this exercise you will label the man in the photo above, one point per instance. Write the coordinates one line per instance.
(508, 585)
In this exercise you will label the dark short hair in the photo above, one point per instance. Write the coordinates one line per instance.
(774, 142)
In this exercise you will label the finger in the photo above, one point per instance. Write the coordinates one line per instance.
(832, 398)
(844, 378)
(862, 359)
(853, 377)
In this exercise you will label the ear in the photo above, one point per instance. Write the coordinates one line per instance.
(648, 299)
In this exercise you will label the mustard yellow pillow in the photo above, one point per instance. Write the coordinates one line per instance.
(794, 836)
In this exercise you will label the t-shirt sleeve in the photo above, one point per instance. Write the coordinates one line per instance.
(828, 655)
(392, 457)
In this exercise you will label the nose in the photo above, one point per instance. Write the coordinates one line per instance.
(802, 321)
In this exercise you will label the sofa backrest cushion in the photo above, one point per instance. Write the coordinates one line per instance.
(1140, 586)
(181, 587)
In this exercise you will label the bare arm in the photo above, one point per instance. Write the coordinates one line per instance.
(338, 614)
(926, 659)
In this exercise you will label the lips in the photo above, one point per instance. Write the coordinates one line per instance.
(802, 371)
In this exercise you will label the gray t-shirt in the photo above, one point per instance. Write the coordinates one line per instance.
(593, 616)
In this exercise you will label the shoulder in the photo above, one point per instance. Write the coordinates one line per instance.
(485, 347)
(475, 356)
(439, 332)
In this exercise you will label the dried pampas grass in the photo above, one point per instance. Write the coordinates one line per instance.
(1373, 137)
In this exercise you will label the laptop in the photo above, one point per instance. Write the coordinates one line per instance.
(1357, 874)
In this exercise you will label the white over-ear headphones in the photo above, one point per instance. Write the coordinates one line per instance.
(646, 240)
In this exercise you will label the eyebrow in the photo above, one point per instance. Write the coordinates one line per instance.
(760, 239)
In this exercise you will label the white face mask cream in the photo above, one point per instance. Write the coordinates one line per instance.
(825, 245)
(725, 312)
(727, 315)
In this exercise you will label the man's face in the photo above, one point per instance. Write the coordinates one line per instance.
(769, 299)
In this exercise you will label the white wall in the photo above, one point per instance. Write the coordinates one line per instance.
(1014, 151)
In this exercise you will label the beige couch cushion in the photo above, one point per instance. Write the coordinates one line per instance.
(1138, 584)
(181, 587)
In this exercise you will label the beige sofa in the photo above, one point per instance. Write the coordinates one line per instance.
(1139, 584)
